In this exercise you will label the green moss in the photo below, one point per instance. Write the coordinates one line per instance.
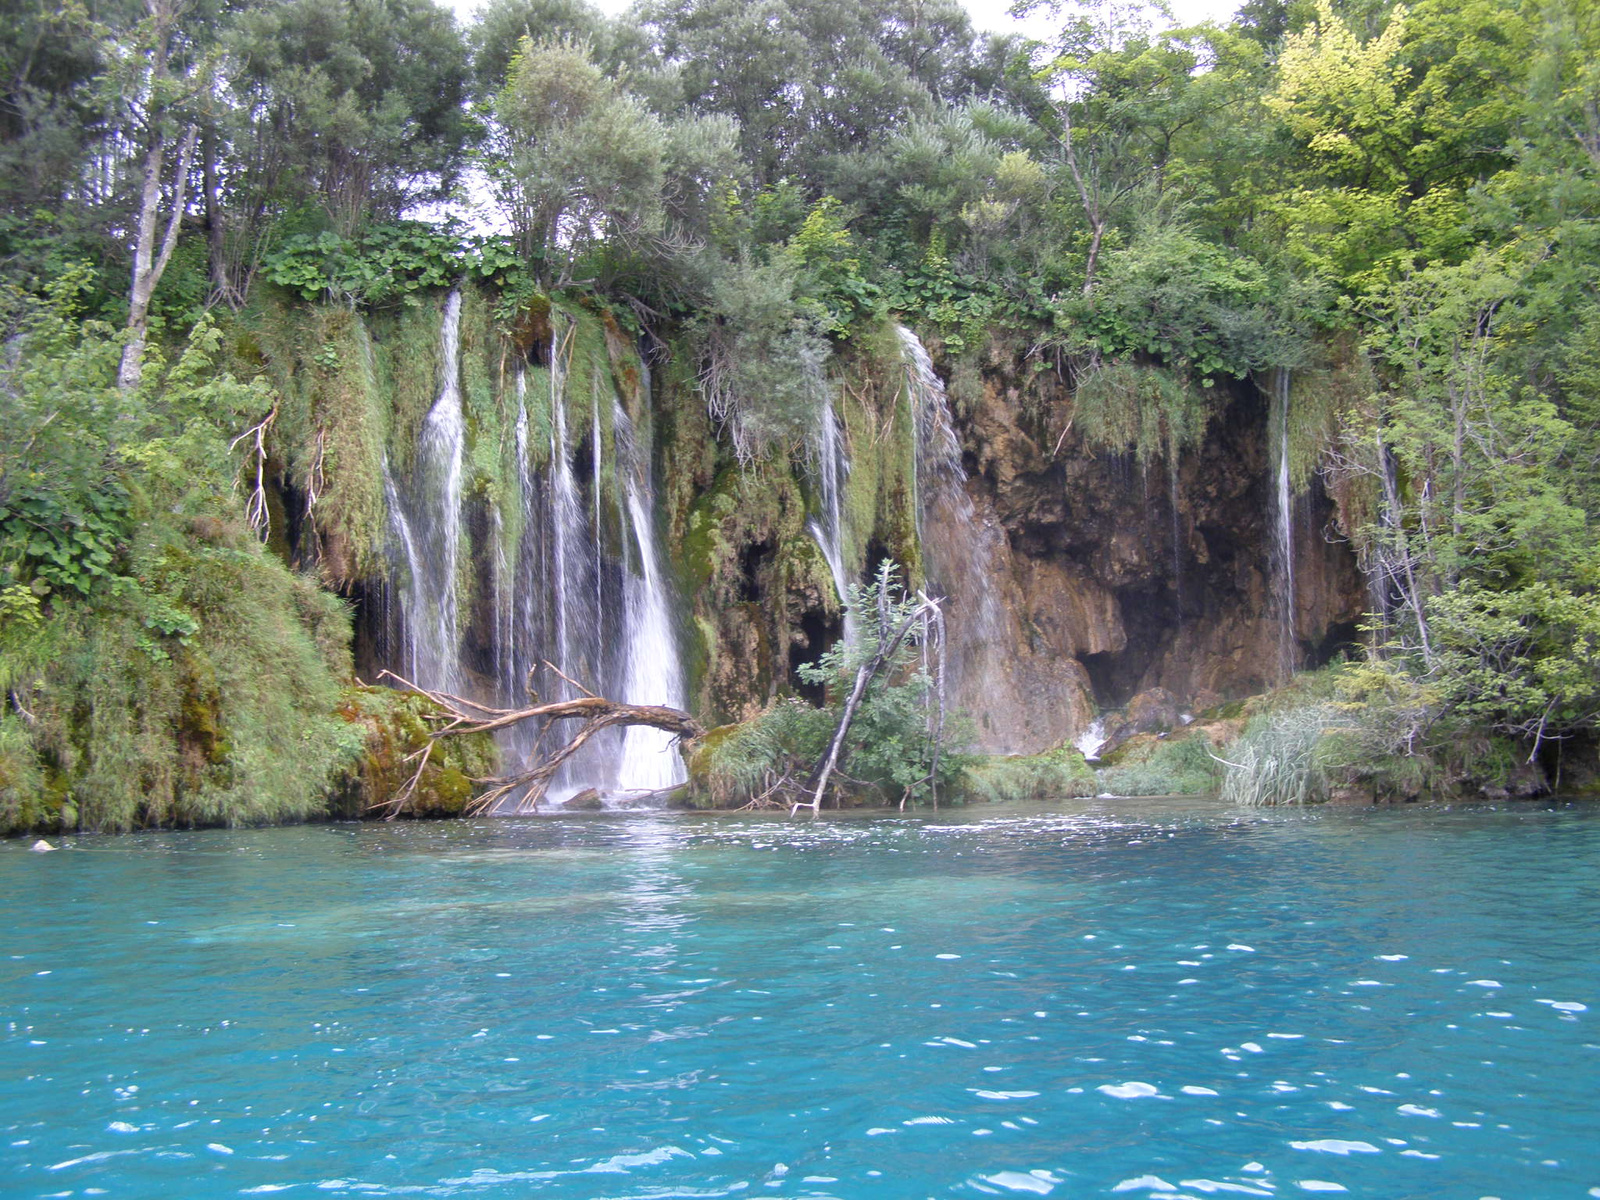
(406, 344)
(1150, 411)
(25, 800)
(880, 496)
(1055, 774)
(1152, 766)
(483, 399)
(737, 763)
(328, 435)
(392, 726)
(230, 724)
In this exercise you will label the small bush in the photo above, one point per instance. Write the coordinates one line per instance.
(1175, 767)
(1056, 774)
(388, 726)
(738, 763)
(1277, 760)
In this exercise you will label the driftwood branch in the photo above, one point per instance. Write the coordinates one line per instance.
(460, 716)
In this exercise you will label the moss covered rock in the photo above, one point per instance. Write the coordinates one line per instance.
(394, 726)
(1055, 774)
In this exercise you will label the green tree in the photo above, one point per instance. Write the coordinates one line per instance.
(1395, 130)
(497, 33)
(809, 81)
(350, 108)
(581, 160)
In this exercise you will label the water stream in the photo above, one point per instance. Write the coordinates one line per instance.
(1283, 585)
(428, 523)
(653, 673)
(827, 528)
(963, 550)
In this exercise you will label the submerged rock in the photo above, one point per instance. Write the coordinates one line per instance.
(588, 800)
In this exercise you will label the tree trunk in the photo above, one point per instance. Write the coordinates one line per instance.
(865, 673)
(148, 265)
(216, 222)
(467, 716)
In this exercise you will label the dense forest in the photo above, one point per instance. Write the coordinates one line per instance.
(209, 207)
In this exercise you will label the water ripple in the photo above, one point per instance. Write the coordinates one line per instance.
(1157, 999)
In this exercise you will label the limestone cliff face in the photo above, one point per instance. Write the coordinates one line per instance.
(1074, 579)
(1080, 579)
(1122, 578)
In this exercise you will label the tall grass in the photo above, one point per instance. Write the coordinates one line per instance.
(1277, 760)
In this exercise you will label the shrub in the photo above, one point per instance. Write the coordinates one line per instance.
(1055, 774)
(1174, 767)
(1277, 759)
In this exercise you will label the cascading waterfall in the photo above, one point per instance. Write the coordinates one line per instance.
(429, 535)
(573, 595)
(827, 528)
(522, 587)
(962, 551)
(575, 581)
(1283, 594)
(405, 543)
(652, 671)
(1091, 739)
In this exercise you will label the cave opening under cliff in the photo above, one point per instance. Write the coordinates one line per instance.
(1148, 619)
(818, 633)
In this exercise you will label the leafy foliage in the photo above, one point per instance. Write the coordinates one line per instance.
(385, 262)
(895, 749)
(1179, 766)
(161, 667)
(1395, 202)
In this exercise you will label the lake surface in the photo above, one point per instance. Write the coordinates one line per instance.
(1132, 998)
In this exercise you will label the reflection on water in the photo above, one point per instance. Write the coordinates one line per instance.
(1154, 999)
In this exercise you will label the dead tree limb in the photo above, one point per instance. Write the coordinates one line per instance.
(466, 716)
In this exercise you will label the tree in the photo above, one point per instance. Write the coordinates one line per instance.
(581, 159)
(352, 109)
(1395, 129)
(163, 88)
(501, 25)
(1130, 102)
(809, 81)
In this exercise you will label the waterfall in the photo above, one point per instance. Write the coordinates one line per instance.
(962, 550)
(653, 673)
(1283, 588)
(514, 599)
(605, 619)
(430, 535)
(573, 598)
(573, 575)
(827, 528)
(1091, 739)
(411, 586)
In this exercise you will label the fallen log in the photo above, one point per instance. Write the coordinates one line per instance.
(469, 716)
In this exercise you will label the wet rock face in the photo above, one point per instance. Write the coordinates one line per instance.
(1122, 578)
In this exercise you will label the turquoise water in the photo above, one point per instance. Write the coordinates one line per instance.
(1146, 999)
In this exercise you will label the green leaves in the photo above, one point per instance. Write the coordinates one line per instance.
(64, 543)
(1525, 662)
(386, 262)
(1196, 307)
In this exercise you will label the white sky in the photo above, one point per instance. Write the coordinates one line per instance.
(991, 15)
